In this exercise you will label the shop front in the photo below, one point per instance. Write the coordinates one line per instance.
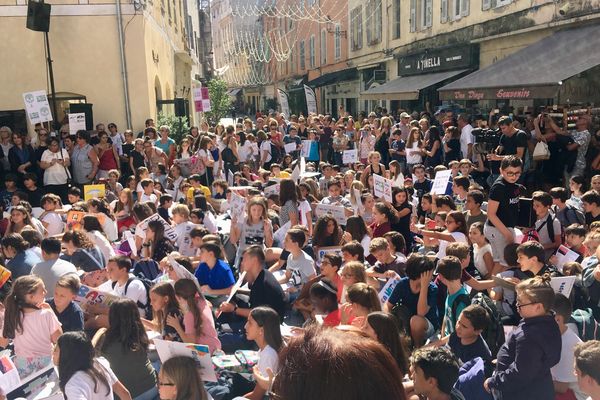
(421, 74)
(559, 69)
(337, 89)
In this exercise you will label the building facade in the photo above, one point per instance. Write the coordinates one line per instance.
(160, 59)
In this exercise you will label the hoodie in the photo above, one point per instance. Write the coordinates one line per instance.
(524, 361)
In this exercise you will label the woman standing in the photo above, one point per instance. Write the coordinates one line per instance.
(340, 143)
(414, 153)
(205, 161)
(230, 155)
(382, 145)
(81, 375)
(366, 144)
(107, 156)
(433, 148)
(84, 160)
(166, 144)
(55, 163)
(21, 156)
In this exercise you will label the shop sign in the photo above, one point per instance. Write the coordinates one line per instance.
(540, 92)
(460, 57)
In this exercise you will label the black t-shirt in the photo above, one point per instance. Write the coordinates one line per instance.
(403, 224)
(511, 143)
(454, 154)
(468, 352)
(507, 194)
(266, 291)
(71, 318)
(589, 218)
(35, 196)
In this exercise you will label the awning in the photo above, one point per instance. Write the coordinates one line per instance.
(407, 87)
(536, 71)
(233, 92)
(348, 74)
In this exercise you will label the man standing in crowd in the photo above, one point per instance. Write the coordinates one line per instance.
(404, 125)
(512, 142)
(581, 137)
(466, 137)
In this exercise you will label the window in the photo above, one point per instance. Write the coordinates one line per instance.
(454, 10)
(356, 28)
(396, 22)
(487, 4)
(311, 50)
(374, 14)
(323, 46)
(338, 41)
(421, 14)
(302, 55)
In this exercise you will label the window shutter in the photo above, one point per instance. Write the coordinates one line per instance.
(444, 11)
(486, 4)
(413, 15)
(428, 12)
(464, 8)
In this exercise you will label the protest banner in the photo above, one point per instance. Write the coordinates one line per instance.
(76, 123)
(564, 255)
(37, 107)
(93, 296)
(440, 184)
(270, 190)
(93, 191)
(383, 188)
(388, 289)
(169, 232)
(350, 156)
(198, 352)
(237, 206)
(563, 284)
(337, 212)
(328, 250)
(290, 147)
(305, 151)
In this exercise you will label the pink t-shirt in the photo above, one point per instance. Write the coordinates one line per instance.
(209, 333)
(35, 340)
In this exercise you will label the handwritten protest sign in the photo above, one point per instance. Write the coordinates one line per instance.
(563, 284)
(290, 147)
(337, 212)
(271, 190)
(305, 151)
(328, 250)
(383, 188)
(237, 206)
(198, 352)
(350, 156)
(440, 184)
(169, 232)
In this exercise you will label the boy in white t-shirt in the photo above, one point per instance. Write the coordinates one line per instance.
(121, 283)
(563, 373)
(300, 267)
(49, 218)
(183, 227)
(148, 191)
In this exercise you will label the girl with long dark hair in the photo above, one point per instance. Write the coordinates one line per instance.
(164, 304)
(156, 244)
(383, 327)
(81, 375)
(125, 345)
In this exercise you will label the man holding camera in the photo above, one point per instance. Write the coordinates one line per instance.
(512, 142)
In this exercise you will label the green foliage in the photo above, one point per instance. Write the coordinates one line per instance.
(179, 126)
(220, 101)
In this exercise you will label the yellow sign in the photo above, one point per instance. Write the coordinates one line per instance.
(93, 191)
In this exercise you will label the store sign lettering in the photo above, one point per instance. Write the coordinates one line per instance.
(427, 63)
(469, 95)
(513, 94)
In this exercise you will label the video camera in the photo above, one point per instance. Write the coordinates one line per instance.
(486, 140)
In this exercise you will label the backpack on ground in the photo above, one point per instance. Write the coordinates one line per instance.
(147, 314)
(587, 326)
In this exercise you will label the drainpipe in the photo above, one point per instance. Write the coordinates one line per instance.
(123, 66)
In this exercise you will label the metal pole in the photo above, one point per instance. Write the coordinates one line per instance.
(123, 66)
(51, 75)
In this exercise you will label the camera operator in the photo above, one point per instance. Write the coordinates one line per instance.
(512, 142)
(503, 207)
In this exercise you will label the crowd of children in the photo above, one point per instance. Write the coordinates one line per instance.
(236, 241)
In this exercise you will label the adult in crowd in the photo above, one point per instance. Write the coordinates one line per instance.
(55, 163)
(21, 156)
(84, 160)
